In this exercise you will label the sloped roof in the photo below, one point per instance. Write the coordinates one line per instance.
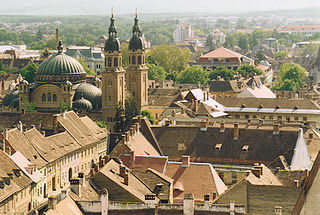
(301, 158)
(197, 178)
(266, 178)
(16, 183)
(109, 177)
(222, 53)
(65, 205)
(264, 146)
(224, 86)
(301, 28)
(144, 162)
(256, 92)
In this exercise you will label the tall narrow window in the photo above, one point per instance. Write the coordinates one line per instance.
(109, 62)
(54, 97)
(49, 97)
(133, 60)
(139, 59)
(115, 62)
(129, 60)
(43, 97)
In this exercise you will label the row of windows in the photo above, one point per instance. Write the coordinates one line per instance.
(132, 60)
(271, 117)
(48, 97)
(115, 62)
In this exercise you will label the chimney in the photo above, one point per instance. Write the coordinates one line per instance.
(104, 200)
(123, 138)
(203, 125)
(52, 201)
(57, 38)
(311, 136)
(276, 128)
(236, 131)
(63, 114)
(214, 196)
(75, 186)
(91, 172)
(185, 160)
(206, 199)
(96, 168)
(204, 96)
(20, 126)
(296, 183)
(278, 210)
(126, 179)
(150, 200)
(196, 105)
(6, 134)
(188, 204)
(132, 156)
(221, 126)
(81, 178)
(306, 173)
(43, 133)
(123, 170)
(137, 127)
(127, 136)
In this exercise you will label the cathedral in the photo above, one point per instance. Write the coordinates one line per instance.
(60, 81)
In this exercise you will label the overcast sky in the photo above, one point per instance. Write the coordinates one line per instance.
(101, 7)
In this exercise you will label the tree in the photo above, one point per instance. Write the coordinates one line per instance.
(85, 66)
(64, 107)
(101, 124)
(131, 109)
(156, 72)
(209, 42)
(291, 77)
(147, 114)
(281, 54)
(221, 71)
(193, 75)
(29, 107)
(170, 57)
(28, 72)
(120, 119)
(248, 69)
(243, 42)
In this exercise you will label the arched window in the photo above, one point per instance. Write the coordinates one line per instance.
(43, 97)
(109, 82)
(109, 98)
(115, 61)
(54, 97)
(49, 97)
(109, 62)
(139, 59)
(133, 60)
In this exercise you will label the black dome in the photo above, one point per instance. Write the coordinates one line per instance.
(136, 43)
(112, 44)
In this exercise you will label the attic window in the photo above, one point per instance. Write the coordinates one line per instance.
(261, 106)
(277, 107)
(245, 148)
(295, 108)
(218, 147)
(243, 106)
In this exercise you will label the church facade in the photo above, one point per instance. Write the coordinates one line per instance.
(60, 81)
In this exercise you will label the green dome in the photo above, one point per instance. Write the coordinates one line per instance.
(10, 97)
(89, 92)
(60, 64)
(82, 104)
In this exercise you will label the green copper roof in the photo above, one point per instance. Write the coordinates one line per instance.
(89, 92)
(112, 43)
(82, 104)
(60, 64)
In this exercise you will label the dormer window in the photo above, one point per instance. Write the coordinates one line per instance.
(277, 107)
(218, 147)
(245, 148)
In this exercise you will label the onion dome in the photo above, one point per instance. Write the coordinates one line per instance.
(59, 67)
(82, 104)
(89, 92)
(136, 42)
(10, 97)
(112, 43)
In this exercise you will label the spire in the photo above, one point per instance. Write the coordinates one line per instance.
(112, 27)
(136, 28)
(60, 47)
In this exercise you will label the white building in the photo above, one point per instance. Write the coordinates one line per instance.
(306, 30)
(182, 33)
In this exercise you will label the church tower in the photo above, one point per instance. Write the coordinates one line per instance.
(113, 77)
(137, 72)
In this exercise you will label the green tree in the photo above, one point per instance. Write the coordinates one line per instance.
(156, 72)
(246, 68)
(291, 77)
(85, 66)
(120, 119)
(209, 42)
(101, 124)
(131, 109)
(281, 54)
(147, 114)
(193, 75)
(28, 72)
(64, 107)
(29, 107)
(170, 57)
(243, 42)
(221, 71)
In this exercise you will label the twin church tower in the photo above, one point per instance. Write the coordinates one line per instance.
(118, 83)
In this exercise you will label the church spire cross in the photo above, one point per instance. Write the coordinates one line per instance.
(112, 28)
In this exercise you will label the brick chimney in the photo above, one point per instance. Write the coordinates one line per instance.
(221, 126)
(276, 128)
(257, 170)
(75, 186)
(188, 204)
(236, 131)
(203, 125)
(126, 179)
(127, 136)
(185, 160)
(123, 138)
(81, 178)
(122, 170)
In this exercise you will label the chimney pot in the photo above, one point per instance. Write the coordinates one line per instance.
(75, 186)
(185, 160)
(276, 128)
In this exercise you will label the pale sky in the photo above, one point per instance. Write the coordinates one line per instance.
(101, 7)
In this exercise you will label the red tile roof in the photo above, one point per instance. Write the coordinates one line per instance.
(302, 28)
(222, 53)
